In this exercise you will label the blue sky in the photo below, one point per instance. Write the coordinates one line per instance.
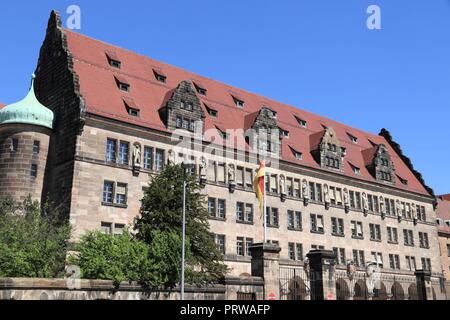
(317, 55)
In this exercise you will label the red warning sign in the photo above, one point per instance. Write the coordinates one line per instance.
(330, 296)
(272, 296)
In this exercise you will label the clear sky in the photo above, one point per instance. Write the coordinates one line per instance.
(317, 55)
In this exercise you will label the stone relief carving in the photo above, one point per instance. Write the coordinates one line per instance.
(305, 190)
(326, 194)
(282, 183)
(231, 173)
(365, 202)
(203, 167)
(137, 155)
(171, 157)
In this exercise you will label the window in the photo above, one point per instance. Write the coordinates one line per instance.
(159, 160)
(377, 257)
(159, 76)
(115, 63)
(298, 155)
(108, 192)
(358, 258)
(340, 256)
(294, 220)
(118, 229)
(124, 87)
(317, 247)
(34, 171)
(337, 226)
(249, 178)
(240, 212)
(295, 251)
(133, 112)
(213, 113)
(121, 194)
(392, 235)
(14, 144)
(36, 147)
(202, 91)
(355, 200)
(315, 190)
(411, 263)
(220, 172)
(220, 242)
(249, 213)
(239, 103)
(375, 232)
(248, 246)
(343, 151)
(423, 240)
(106, 228)
(352, 138)
(240, 246)
(357, 230)
(148, 158)
(216, 208)
(394, 261)
(273, 184)
(317, 223)
(123, 153)
(301, 122)
(335, 196)
(421, 214)
(221, 208)
(426, 264)
(355, 169)
(408, 237)
(272, 217)
(111, 147)
(284, 133)
(297, 192)
(332, 162)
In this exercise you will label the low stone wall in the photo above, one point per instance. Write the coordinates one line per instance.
(58, 289)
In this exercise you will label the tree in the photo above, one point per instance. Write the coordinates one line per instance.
(161, 219)
(32, 243)
(117, 258)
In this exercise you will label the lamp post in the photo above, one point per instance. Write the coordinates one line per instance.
(184, 239)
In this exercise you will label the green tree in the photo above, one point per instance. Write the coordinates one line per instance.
(117, 258)
(160, 224)
(32, 243)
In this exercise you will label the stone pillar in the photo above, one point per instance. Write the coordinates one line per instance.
(266, 264)
(424, 287)
(322, 274)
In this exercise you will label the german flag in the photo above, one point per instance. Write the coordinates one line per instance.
(259, 185)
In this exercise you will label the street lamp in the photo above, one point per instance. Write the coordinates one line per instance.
(186, 168)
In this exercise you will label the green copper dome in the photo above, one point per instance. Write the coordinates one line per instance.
(27, 111)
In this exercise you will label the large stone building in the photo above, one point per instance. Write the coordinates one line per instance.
(115, 112)
(443, 221)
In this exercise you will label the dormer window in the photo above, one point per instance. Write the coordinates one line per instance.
(284, 133)
(184, 123)
(343, 151)
(385, 176)
(160, 76)
(439, 222)
(403, 181)
(447, 222)
(297, 154)
(122, 83)
(353, 138)
(301, 122)
(200, 89)
(113, 60)
(131, 106)
(211, 112)
(332, 162)
(239, 103)
(355, 169)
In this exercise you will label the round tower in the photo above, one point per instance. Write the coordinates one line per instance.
(25, 129)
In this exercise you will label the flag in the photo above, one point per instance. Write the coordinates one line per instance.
(258, 184)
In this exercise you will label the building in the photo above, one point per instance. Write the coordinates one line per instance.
(329, 185)
(443, 221)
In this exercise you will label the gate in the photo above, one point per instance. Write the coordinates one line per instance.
(294, 284)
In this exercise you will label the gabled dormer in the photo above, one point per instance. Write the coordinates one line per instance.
(183, 109)
(379, 164)
(326, 149)
(264, 134)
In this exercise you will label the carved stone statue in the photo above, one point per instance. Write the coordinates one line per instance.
(326, 194)
(171, 157)
(351, 269)
(231, 173)
(365, 203)
(382, 206)
(282, 184)
(203, 167)
(398, 208)
(137, 155)
(305, 189)
(346, 198)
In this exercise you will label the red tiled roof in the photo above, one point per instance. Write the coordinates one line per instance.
(443, 212)
(2, 105)
(99, 90)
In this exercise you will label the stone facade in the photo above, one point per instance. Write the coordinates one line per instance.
(23, 148)
(91, 170)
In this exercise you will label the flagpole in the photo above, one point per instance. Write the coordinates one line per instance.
(265, 210)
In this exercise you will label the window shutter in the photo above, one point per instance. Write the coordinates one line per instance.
(121, 188)
(332, 194)
(359, 228)
(319, 222)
